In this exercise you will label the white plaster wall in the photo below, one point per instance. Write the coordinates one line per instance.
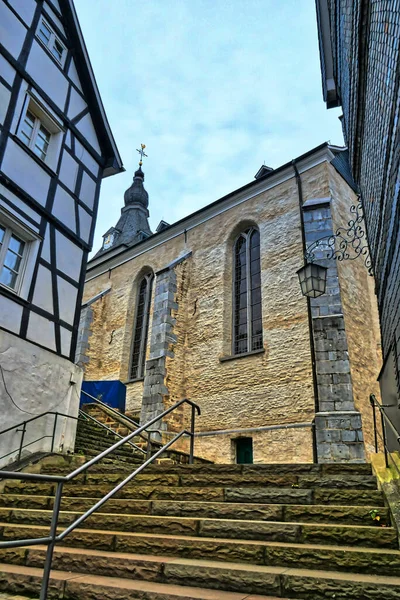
(88, 190)
(76, 104)
(73, 74)
(68, 171)
(38, 381)
(41, 331)
(43, 296)
(66, 300)
(64, 208)
(12, 32)
(83, 155)
(30, 212)
(85, 222)
(5, 95)
(6, 70)
(19, 167)
(86, 127)
(69, 256)
(47, 75)
(25, 9)
(46, 245)
(10, 314)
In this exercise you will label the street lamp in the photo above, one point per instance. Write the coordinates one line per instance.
(312, 279)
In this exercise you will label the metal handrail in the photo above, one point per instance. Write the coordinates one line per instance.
(104, 426)
(23, 425)
(117, 414)
(384, 420)
(111, 409)
(52, 539)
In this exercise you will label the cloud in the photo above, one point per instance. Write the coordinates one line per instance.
(213, 87)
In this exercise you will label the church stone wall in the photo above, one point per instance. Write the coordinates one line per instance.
(270, 387)
(359, 309)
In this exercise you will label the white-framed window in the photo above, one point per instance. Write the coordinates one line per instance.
(49, 39)
(35, 135)
(40, 132)
(12, 253)
(18, 251)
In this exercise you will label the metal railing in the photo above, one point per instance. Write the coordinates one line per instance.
(53, 538)
(111, 409)
(22, 427)
(109, 429)
(385, 422)
(121, 417)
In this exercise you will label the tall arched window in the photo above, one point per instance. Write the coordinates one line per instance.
(247, 319)
(141, 328)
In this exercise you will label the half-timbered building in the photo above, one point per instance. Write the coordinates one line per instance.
(55, 147)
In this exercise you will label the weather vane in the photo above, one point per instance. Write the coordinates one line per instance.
(142, 153)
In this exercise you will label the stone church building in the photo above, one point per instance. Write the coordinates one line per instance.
(210, 309)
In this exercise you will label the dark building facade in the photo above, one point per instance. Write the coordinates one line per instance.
(360, 64)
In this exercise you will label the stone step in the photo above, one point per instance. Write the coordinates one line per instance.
(224, 582)
(269, 468)
(263, 495)
(104, 444)
(308, 533)
(72, 586)
(253, 480)
(151, 567)
(300, 482)
(352, 515)
(128, 459)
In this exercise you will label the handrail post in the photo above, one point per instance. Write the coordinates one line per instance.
(50, 547)
(149, 447)
(372, 400)
(384, 439)
(22, 440)
(54, 432)
(192, 423)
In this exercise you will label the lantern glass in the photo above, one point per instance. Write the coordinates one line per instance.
(312, 279)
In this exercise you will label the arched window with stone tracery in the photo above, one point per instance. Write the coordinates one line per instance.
(141, 328)
(247, 316)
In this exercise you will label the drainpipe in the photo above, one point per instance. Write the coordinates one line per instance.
(310, 321)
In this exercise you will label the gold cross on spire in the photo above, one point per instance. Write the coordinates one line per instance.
(142, 153)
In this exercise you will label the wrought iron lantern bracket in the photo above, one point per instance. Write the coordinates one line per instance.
(346, 244)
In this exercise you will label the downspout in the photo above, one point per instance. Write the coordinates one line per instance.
(310, 321)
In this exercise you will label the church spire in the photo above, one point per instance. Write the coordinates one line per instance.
(133, 225)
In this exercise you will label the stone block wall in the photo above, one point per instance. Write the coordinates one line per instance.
(338, 427)
(84, 332)
(161, 340)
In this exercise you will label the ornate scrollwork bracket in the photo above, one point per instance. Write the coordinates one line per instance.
(346, 244)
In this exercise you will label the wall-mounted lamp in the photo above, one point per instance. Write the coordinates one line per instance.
(312, 279)
(345, 244)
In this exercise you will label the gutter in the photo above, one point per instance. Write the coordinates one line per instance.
(310, 321)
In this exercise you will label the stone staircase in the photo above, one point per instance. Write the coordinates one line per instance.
(92, 439)
(207, 532)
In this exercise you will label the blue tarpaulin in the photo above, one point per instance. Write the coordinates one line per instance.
(112, 393)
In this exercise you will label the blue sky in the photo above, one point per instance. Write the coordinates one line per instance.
(214, 88)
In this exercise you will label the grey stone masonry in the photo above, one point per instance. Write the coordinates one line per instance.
(84, 333)
(339, 438)
(161, 343)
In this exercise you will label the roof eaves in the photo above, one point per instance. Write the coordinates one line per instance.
(113, 160)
